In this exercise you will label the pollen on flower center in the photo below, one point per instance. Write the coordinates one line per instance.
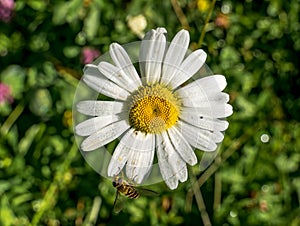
(153, 109)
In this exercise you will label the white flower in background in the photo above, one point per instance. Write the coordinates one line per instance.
(160, 109)
(137, 24)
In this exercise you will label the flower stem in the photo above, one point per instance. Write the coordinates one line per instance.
(180, 15)
(200, 201)
(218, 186)
(12, 118)
(93, 215)
(203, 32)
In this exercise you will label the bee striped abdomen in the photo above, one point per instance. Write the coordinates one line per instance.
(132, 193)
(125, 188)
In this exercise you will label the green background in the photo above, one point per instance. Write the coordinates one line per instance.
(44, 180)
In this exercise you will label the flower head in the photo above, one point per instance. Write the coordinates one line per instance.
(5, 94)
(89, 54)
(203, 5)
(6, 9)
(222, 21)
(162, 108)
(137, 24)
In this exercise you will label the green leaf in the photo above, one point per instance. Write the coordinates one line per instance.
(41, 102)
(38, 5)
(91, 23)
(71, 51)
(27, 140)
(59, 13)
(7, 214)
(14, 76)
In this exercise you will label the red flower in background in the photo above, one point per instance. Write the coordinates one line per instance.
(6, 9)
(222, 21)
(89, 54)
(5, 94)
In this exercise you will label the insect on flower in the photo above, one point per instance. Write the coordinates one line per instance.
(128, 189)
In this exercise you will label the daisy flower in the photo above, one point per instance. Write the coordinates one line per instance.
(161, 109)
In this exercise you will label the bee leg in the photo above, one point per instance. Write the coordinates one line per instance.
(122, 173)
(133, 180)
(116, 198)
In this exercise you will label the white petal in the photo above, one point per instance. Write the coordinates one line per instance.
(141, 157)
(211, 109)
(167, 173)
(118, 76)
(199, 138)
(99, 108)
(151, 54)
(205, 87)
(175, 55)
(189, 67)
(92, 125)
(93, 78)
(122, 61)
(171, 156)
(186, 128)
(182, 146)
(182, 172)
(196, 97)
(121, 153)
(165, 149)
(204, 121)
(172, 166)
(104, 136)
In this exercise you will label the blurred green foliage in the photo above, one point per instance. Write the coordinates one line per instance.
(255, 179)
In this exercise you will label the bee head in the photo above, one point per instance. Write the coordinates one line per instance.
(117, 180)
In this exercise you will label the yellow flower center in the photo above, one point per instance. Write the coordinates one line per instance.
(153, 109)
(203, 5)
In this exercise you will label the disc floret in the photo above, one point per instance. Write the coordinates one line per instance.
(153, 109)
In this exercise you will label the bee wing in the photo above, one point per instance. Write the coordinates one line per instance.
(118, 203)
(147, 192)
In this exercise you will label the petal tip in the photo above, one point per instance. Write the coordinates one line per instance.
(161, 30)
(85, 147)
(172, 183)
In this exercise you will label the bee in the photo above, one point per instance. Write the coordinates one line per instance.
(125, 188)
(129, 190)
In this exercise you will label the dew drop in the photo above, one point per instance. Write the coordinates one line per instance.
(264, 138)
